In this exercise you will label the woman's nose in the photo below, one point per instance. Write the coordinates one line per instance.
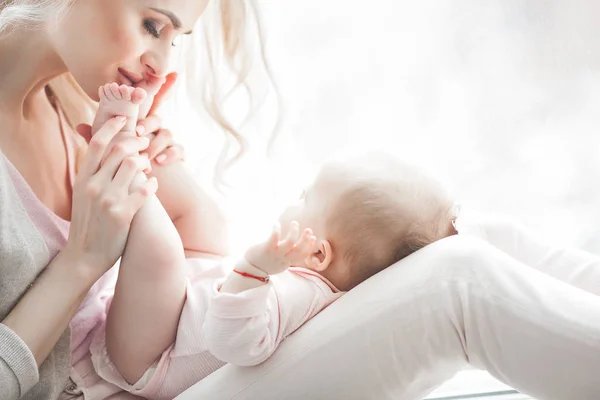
(156, 61)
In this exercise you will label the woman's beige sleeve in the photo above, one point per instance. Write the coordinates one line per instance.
(18, 368)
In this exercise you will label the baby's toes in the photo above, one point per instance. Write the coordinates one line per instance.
(102, 93)
(114, 88)
(125, 92)
(108, 95)
(138, 95)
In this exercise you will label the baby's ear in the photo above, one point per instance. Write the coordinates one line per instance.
(321, 259)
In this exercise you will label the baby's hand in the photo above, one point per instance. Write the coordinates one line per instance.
(275, 255)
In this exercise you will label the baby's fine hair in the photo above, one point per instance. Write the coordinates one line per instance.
(389, 210)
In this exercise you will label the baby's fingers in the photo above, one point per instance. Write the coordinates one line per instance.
(305, 244)
(273, 241)
(286, 245)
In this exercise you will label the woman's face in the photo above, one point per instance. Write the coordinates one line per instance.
(123, 41)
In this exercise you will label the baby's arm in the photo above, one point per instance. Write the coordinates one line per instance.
(248, 318)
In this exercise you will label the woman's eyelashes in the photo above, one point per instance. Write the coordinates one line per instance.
(154, 28)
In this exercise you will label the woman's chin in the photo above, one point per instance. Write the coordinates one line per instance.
(94, 96)
(90, 91)
(90, 86)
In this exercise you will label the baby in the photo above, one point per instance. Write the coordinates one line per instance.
(358, 217)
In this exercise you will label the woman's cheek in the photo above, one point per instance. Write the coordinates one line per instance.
(126, 45)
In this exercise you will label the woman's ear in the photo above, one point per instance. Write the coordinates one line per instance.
(321, 259)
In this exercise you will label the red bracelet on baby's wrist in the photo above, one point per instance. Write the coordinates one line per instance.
(247, 275)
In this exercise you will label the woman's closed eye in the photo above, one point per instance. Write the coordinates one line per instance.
(154, 28)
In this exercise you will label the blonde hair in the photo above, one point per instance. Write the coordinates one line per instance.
(233, 28)
(29, 12)
(387, 212)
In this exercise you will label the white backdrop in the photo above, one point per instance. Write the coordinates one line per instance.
(499, 98)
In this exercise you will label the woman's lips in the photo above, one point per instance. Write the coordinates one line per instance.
(128, 78)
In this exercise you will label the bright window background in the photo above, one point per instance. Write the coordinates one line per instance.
(499, 98)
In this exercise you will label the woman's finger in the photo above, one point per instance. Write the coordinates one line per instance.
(172, 154)
(163, 92)
(127, 139)
(148, 125)
(125, 148)
(128, 169)
(98, 145)
(138, 198)
(162, 141)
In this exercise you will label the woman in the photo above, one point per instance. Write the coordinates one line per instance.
(44, 203)
(58, 226)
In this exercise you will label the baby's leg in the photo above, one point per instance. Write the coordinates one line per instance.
(150, 292)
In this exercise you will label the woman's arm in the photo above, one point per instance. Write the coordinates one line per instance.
(34, 326)
(46, 309)
(100, 218)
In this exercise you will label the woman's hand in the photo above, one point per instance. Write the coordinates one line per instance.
(163, 149)
(103, 208)
(201, 224)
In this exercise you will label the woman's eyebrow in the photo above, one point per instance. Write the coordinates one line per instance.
(174, 18)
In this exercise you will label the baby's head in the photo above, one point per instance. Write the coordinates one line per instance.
(368, 213)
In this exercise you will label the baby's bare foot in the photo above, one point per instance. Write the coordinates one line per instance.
(119, 100)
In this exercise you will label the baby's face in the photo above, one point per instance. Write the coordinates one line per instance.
(313, 205)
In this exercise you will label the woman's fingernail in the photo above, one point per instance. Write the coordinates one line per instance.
(161, 158)
(140, 129)
(120, 118)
